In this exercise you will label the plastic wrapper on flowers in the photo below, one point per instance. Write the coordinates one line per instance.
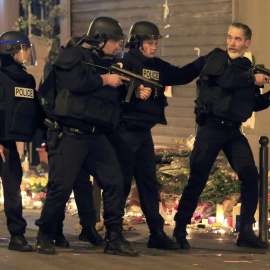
(173, 169)
(173, 179)
(203, 211)
(182, 149)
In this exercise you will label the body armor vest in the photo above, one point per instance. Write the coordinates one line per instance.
(17, 107)
(234, 104)
(100, 107)
(151, 111)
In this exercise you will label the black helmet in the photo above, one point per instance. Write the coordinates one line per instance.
(10, 42)
(141, 31)
(13, 42)
(103, 28)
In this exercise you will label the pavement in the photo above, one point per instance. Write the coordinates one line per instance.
(209, 251)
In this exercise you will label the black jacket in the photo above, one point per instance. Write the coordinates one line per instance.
(20, 110)
(76, 94)
(147, 113)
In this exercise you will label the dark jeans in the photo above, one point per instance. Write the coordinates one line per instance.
(135, 151)
(210, 139)
(94, 154)
(11, 174)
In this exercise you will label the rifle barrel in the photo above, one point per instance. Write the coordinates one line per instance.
(94, 65)
(263, 70)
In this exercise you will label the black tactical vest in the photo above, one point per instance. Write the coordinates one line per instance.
(18, 111)
(234, 104)
(100, 107)
(145, 113)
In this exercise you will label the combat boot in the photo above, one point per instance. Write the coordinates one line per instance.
(59, 240)
(247, 238)
(159, 239)
(44, 243)
(117, 245)
(92, 236)
(19, 243)
(180, 234)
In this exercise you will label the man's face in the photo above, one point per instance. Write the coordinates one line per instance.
(112, 46)
(150, 47)
(236, 42)
(23, 57)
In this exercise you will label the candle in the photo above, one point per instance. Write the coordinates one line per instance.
(138, 217)
(236, 211)
(211, 220)
(230, 221)
(26, 165)
(205, 221)
(219, 213)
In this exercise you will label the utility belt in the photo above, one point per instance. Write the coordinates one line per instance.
(56, 126)
(127, 126)
(76, 131)
(56, 131)
(222, 122)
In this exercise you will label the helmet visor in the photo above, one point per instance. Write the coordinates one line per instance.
(114, 47)
(27, 55)
(120, 52)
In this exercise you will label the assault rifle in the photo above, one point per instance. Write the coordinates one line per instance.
(258, 69)
(261, 69)
(116, 69)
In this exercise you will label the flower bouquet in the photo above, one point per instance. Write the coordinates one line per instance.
(36, 186)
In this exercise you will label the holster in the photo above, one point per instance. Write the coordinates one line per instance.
(200, 117)
(201, 112)
(53, 137)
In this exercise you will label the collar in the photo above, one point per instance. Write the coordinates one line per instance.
(143, 59)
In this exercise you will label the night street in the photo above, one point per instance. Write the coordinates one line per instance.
(208, 251)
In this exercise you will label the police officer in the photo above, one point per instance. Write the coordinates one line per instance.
(83, 194)
(133, 140)
(86, 101)
(228, 93)
(19, 109)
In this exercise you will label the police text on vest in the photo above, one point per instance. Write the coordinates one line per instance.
(151, 74)
(24, 92)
